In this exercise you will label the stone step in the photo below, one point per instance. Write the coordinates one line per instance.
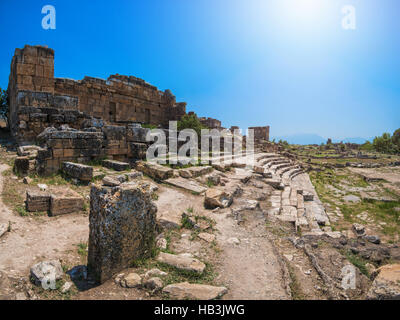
(293, 197)
(288, 214)
(281, 171)
(266, 156)
(295, 172)
(267, 161)
(289, 173)
(274, 161)
(116, 165)
(274, 182)
(281, 165)
(187, 184)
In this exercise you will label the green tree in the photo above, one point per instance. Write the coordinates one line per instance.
(4, 105)
(367, 146)
(191, 122)
(396, 138)
(384, 143)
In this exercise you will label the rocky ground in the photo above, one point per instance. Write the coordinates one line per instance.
(270, 232)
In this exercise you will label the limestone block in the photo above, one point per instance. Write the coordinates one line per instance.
(182, 262)
(37, 201)
(65, 200)
(154, 170)
(78, 171)
(21, 165)
(193, 291)
(135, 134)
(116, 165)
(137, 150)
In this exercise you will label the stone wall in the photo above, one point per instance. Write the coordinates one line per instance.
(211, 123)
(124, 143)
(261, 133)
(117, 100)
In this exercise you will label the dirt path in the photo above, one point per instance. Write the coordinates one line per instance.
(35, 239)
(249, 266)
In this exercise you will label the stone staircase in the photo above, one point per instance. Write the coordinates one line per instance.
(294, 199)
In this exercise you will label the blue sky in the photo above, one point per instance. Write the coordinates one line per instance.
(284, 63)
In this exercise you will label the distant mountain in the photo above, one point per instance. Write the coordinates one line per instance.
(357, 140)
(302, 138)
(311, 138)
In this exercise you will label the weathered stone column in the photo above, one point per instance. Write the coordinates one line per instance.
(122, 227)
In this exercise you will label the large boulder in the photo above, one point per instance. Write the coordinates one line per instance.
(191, 291)
(122, 227)
(386, 285)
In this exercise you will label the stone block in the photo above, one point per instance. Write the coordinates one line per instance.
(116, 165)
(155, 170)
(65, 200)
(78, 171)
(135, 134)
(114, 132)
(37, 201)
(21, 165)
(137, 150)
(122, 228)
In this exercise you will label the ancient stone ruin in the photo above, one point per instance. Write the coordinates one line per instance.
(122, 227)
(56, 120)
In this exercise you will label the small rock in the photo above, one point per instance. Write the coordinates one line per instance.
(187, 290)
(251, 205)
(27, 180)
(155, 273)
(289, 257)
(208, 237)
(373, 239)
(46, 271)
(162, 243)
(132, 280)
(3, 229)
(351, 198)
(154, 284)
(20, 296)
(42, 186)
(65, 288)
(370, 268)
(234, 241)
(358, 229)
(182, 262)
